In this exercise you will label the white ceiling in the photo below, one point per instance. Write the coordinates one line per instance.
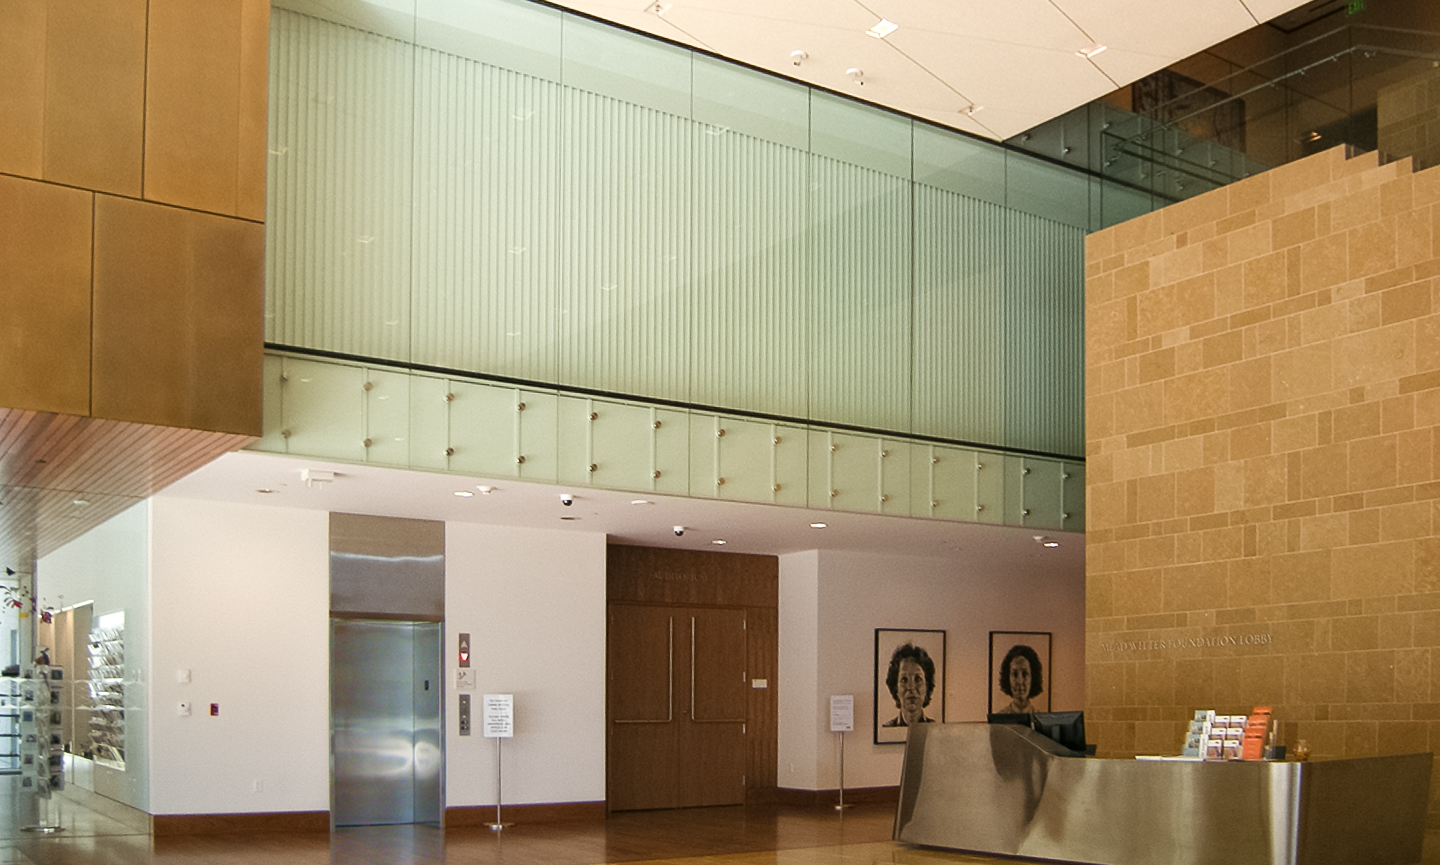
(1015, 62)
(746, 528)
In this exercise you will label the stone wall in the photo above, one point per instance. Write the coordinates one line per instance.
(1263, 389)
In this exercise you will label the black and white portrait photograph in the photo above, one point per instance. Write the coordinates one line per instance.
(909, 681)
(1019, 667)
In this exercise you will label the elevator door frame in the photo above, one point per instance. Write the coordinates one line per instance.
(438, 719)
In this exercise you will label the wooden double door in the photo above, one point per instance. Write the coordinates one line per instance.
(676, 706)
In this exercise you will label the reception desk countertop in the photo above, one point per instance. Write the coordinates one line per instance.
(1005, 790)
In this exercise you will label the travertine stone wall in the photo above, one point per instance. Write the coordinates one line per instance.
(1263, 390)
(1408, 119)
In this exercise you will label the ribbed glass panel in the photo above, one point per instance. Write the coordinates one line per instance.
(860, 296)
(959, 348)
(626, 265)
(338, 189)
(1045, 336)
(486, 169)
(750, 344)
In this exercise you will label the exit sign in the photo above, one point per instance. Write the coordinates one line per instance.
(1355, 7)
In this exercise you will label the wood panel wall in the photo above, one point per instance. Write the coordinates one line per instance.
(132, 198)
(648, 575)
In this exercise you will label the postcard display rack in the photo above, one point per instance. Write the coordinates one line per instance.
(42, 754)
(107, 696)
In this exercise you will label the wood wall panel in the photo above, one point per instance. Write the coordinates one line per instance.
(95, 94)
(253, 133)
(178, 317)
(192, 104)
(45, 296)
(762, 741)
(22, 86)
(649, 575)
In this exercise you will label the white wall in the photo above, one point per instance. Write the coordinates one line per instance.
(799, 701)
(109, 565)
(241, 599)
(533, 602)
(859, 592)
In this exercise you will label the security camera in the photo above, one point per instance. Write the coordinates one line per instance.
(566, 499)
(679, 530)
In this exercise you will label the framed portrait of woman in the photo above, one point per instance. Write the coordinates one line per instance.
(909, 681)
(1019, 672)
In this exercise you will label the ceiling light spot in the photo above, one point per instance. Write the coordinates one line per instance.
(882, 29)
(464, 494)
(1051, 544)
(719, 542)
(641, 502)
(568, 519)
(1089, 53)
(80, 502)
(818, 525)
(266, 491)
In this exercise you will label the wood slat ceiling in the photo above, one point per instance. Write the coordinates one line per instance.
(62, 475)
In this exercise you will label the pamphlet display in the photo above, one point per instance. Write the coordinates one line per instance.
(107, 696)
(1229, 737)
(42, 755)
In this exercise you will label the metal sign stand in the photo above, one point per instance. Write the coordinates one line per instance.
(842, 806)
(499, 791)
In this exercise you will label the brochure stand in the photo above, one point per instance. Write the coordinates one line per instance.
(498, 723)
(842, 721)
(41, 754)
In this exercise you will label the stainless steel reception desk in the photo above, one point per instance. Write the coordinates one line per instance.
(1005, 790)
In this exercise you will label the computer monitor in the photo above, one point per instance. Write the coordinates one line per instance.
(1065, 728)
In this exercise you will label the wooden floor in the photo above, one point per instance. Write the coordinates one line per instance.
(97, 831)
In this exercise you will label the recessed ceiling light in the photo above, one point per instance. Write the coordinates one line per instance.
(882, 29)
(569, 519)
(1089, 53)
(719, 542)
(641, 502)
(1045, 541)
(464, 494)
(80, 502)
(1051, 544)
(267, 491)
(817, 525)
(485, 489)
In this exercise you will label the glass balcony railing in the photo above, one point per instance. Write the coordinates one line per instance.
(1372, 88)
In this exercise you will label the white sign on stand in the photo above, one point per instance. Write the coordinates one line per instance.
(498, 716)
(842, 721)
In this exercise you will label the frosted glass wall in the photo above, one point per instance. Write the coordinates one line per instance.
(502, 189)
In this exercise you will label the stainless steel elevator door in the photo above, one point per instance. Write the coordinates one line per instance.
(385, 722)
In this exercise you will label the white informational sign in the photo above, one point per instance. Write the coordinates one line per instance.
(842, 713)
(498, 716)
(465, 680)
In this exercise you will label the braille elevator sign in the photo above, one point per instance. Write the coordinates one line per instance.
(464, 650)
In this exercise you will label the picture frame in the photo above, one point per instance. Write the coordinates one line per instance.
(924, 659)
(1005, 646)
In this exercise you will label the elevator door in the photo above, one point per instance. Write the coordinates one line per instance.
(385, 722)
(677, 704)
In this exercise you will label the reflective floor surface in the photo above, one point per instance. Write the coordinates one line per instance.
(97, 831)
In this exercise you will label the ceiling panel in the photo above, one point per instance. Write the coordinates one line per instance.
(1017, 59)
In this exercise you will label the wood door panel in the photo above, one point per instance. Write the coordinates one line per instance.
(717, 665)
(712, 770)
(642, 767)
(641, 663)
